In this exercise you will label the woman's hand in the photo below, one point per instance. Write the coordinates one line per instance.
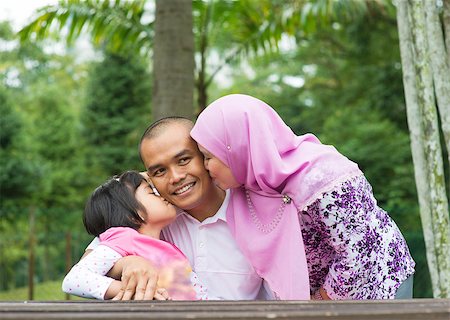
(138, 278)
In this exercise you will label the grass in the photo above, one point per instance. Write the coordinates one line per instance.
(45, 291)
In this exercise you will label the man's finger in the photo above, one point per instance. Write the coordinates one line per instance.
(119, 295)
(140, 289)
(129, 288)
(150, 288)
(163, 292)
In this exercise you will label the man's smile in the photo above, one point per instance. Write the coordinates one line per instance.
(183, 189)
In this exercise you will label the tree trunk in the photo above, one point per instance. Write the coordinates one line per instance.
(425, 143)
(440, 67)
(202, 95)
(446, 24)
(415, 133)
(68, 256)
(173, 60)
(31, 250)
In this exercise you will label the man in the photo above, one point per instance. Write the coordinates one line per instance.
(175, 167)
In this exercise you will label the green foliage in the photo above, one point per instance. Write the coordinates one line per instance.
(117, 111)
(107, 21)
(41, 158)
(6, 31)
(10, 122)
(16, 171)
(51, 143)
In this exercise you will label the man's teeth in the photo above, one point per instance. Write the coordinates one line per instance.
(184, 189)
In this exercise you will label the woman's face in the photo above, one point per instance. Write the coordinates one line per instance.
(219, 172)
(159, 212)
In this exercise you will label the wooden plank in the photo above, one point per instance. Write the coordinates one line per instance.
(429, 309)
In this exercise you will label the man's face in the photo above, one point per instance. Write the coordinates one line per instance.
(175, 166)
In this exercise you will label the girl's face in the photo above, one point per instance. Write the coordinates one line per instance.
(219, 172)
(159, 212)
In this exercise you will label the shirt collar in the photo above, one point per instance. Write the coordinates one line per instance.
(221, 214)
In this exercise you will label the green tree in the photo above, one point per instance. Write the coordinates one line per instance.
(42, 159)
(116, 113)
(13, 187)
(123, 27)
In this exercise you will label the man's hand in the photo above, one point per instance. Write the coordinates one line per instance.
(162, 294)
(139, 278)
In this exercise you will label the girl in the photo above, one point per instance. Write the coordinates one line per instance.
(304, 209)
(127, 214)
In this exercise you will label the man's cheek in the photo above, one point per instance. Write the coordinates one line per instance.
(162, 189)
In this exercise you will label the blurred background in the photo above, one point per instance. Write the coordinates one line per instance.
(73, 106)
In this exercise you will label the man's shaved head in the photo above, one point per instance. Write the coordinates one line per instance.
(156, 127)
(160, 125)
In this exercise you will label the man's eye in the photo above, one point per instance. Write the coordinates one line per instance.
(184, 161)
(158, 172)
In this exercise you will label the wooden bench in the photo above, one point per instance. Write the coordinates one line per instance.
(424, 309)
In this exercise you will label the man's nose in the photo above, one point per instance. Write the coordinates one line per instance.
(177, 175)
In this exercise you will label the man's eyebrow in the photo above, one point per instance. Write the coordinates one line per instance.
(176, 156)
(151, 168)
(182, 153)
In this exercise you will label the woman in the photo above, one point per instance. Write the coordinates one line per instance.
(308, 221)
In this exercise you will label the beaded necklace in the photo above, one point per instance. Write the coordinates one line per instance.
(267, 227)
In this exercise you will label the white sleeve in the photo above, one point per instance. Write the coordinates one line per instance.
(88, 278)
(94, 244)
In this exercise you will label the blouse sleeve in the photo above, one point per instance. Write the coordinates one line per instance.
(88, 278)
(351, 231)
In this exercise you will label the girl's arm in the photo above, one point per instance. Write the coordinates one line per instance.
(88, 278)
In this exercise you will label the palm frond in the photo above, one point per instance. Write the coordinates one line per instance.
(112, 22)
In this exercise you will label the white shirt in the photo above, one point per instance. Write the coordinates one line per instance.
(215, 256)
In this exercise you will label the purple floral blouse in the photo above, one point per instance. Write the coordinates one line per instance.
(354, 249)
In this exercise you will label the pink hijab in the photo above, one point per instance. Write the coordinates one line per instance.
(270, 161)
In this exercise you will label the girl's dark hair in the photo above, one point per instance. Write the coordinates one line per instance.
(113, 204)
